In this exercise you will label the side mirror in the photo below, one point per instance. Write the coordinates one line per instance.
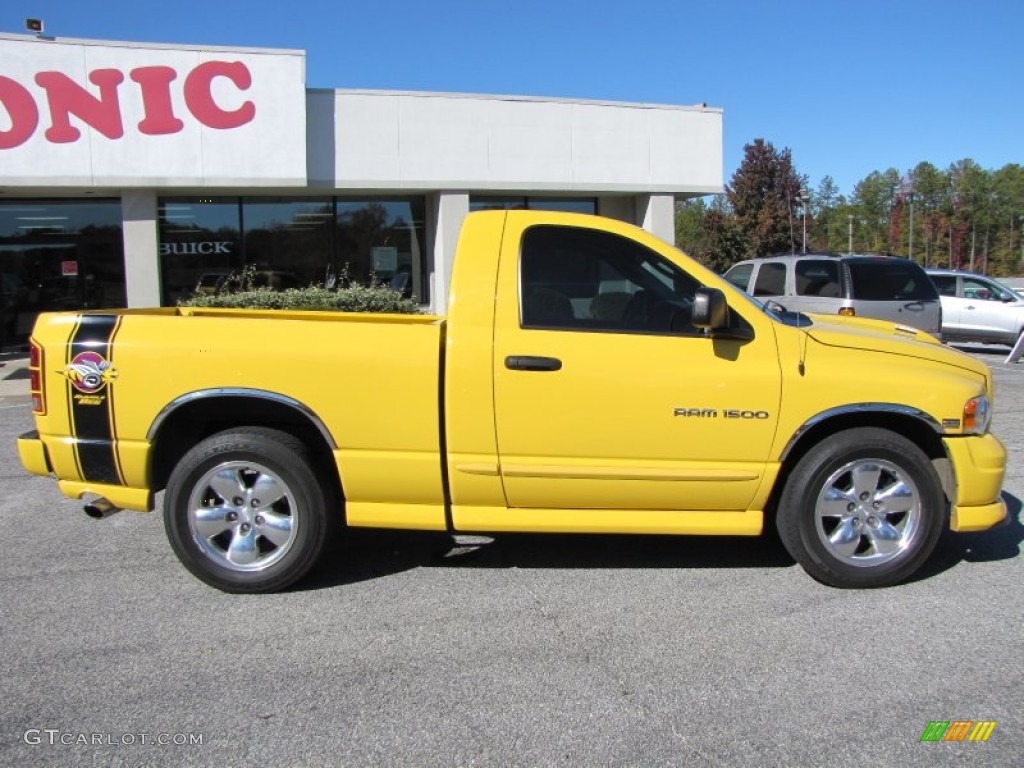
(710, 309)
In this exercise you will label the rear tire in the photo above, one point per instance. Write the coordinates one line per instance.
(863, 508)
(245, 511)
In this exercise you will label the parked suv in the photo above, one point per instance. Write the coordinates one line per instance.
(880, 287)
(977, 308)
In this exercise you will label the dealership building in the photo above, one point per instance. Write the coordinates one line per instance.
(130, 172)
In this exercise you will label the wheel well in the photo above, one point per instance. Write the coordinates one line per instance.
(915, 430)
(194, 421)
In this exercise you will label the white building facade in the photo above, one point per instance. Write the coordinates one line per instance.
(131, 172)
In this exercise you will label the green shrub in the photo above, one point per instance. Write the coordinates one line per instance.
(354, 298)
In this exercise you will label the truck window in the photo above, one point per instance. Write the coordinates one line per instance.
(946, 284)
(984, 290)
(817, 278)
(771, 280)
(890, 280)
(739, 275)
(573, 278)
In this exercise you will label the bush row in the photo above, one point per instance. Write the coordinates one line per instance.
(354, 298)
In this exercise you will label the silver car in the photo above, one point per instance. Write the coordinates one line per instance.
(978, 308)
(878, 287)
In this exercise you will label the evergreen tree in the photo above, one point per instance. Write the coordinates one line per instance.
(825, 217)
(875, 196)
(1008, 191)
(709, 233)
(763, 196)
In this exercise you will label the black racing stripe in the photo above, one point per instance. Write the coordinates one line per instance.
(110, 407)
(69, 397)
(91, 424)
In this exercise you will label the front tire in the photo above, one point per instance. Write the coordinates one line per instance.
(863, 508)
(244, 510)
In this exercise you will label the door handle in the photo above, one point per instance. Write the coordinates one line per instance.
(531, 363)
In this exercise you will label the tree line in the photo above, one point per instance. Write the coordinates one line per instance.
(961, 217)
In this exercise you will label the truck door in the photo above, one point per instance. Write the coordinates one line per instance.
(606, 396)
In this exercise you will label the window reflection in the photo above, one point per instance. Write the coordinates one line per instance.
(55, 255)
(199, 244)
(511, 203)
(382, 241)
(292, 242)
(288, 240)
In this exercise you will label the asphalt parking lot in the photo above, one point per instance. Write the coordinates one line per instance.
(517, 651)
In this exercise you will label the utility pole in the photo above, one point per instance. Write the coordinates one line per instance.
(912, 226)
(849, 245)
(804, 197)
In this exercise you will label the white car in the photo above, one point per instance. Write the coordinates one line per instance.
(978, 308)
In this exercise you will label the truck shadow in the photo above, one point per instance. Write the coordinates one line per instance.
(370, 554)
(1002, 543)
(367, 554)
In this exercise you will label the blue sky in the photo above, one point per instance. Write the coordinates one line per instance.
(849, 87)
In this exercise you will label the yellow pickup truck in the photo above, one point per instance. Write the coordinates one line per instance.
(588, 377)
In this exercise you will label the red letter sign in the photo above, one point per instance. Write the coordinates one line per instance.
(199, 97)
(155, 84)
(67, 97)
(22, 110)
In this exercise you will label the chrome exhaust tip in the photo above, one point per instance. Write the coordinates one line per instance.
(97, 509)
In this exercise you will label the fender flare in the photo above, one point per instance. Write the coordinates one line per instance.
(860, 408)
(260, 394)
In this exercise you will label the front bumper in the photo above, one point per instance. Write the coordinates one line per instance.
(966, 519)
(979, 465)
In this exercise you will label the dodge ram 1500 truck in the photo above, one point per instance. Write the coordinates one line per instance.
(587, 377)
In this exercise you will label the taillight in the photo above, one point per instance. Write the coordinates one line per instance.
(35, 373)
(847, 311)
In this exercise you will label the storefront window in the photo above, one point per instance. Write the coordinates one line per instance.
(288, 240)
(56, 255)
(200, 244)
(382, 240)
(292, 242)
(496, 203)
(504, 203)
(569, 205)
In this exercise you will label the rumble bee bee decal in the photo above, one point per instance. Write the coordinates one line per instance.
(89, 372)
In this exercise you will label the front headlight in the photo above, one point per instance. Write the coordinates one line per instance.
(977, 415)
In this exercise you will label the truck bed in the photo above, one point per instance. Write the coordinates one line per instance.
(369, 384)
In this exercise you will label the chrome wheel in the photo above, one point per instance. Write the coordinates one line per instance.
(863, 507)
(242, 516)
(868, 512)
(250, 509)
